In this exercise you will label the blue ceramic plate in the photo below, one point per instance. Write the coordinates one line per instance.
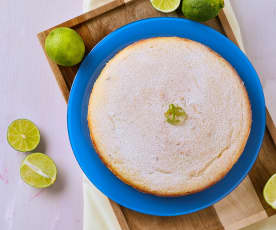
(78, 131)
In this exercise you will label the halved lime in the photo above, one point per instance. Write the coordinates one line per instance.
(38, 170)
(23, 135)
(269, 191)
(165, 6)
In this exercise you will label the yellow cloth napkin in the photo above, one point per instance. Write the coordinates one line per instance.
(97, 210)
(92, 4)
(98, 213)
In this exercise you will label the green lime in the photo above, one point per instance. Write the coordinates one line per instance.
(201, 10)
(269, 191)
(64, 46)
(165, 6)
(38, 170)
(23, 135)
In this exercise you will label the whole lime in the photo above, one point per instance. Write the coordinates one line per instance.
(201, 10)
(64, 46)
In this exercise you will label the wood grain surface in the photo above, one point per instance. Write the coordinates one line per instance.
(245, 205)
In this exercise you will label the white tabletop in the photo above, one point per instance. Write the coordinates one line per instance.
(28, 90)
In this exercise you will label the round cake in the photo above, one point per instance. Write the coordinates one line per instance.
(130, 130)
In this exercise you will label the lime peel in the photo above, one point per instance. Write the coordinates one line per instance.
(64, 46)
(201, 10)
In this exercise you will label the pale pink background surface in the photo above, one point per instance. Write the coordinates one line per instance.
(29, 90)
(257, 21)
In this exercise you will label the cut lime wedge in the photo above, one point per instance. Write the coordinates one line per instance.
(269, 191)
(38, 170)
(23, 135)
(165, 6)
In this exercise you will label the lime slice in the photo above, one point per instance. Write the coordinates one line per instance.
(23, 135)
(270, 191)
(165, 6)
(38, 170)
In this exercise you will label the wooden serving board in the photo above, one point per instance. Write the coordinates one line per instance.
(245, 205)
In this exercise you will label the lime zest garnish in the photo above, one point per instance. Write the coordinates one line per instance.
(175, 115)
